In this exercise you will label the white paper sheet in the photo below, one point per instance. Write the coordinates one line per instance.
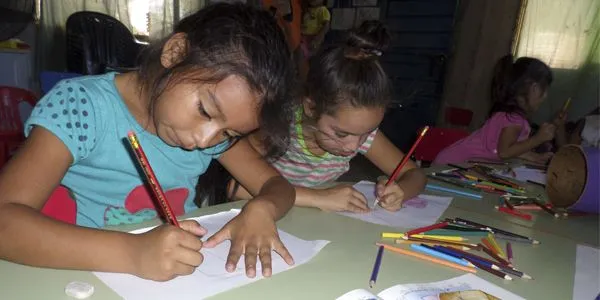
(587, 273)
(524, 174)
(430, 291)
(211, 277)
(417, 212)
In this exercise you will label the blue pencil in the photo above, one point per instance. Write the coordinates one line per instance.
(450, 190)
(433, 252)
(376, 267)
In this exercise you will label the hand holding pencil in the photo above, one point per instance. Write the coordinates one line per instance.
(390, 192)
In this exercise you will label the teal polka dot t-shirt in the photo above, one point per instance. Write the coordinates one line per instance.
(89, 116)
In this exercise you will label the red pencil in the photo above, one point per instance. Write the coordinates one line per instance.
(426, 228)
(404, 160)
(155, 186)
(493, 254)
(515, 213)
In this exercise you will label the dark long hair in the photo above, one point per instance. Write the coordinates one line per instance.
(512, 81)
(350, 72)
(231, 39)
(223, 40)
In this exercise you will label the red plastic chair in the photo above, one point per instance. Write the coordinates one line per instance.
(458, 116)
(436, 140)
(61, 206)
(11, 123)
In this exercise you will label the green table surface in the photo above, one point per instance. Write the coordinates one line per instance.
(343, 265)
(582, 229)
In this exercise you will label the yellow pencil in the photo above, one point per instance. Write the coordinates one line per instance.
(463, 248)
(427, 258)
(497, 247)
(393, 235)
(566, 105)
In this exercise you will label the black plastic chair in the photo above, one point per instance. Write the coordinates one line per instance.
(97, 43)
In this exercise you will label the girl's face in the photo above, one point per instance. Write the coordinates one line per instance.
(536, 97)
(343, 132)
(193, 115)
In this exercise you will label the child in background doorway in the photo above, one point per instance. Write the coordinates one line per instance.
(345, 98)
(315, 24)
(518, 89)
(224, 72)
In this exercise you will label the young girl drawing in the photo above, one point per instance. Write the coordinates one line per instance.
(345, 98)
(220, 75)
(518, 89)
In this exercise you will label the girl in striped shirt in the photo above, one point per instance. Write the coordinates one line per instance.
(345, 97)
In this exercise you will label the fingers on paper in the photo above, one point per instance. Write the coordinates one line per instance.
(235, 252)
(217, 238)
(250, 259)
(280, 249)
(192, 227)
(265, 260)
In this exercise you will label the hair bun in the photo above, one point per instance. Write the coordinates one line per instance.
(369, 40)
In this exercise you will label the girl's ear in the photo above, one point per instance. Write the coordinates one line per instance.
(174, 50)
(309, 107)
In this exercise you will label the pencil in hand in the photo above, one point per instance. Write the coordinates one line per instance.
(403, 162)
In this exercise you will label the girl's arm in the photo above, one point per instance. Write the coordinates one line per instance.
(386, 157)
(29, 237)
(509, 147)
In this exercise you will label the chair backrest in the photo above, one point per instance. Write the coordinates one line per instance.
(436, 140)
(97, 42)
(15, 107)
(458, 116)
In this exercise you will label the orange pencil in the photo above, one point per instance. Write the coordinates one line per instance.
(404, 161)
(427, 258)
(155, 186)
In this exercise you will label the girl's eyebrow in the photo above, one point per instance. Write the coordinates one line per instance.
(351, 133)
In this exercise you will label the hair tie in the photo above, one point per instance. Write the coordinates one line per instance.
(372, 51)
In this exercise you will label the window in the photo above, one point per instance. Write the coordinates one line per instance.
(139, 16)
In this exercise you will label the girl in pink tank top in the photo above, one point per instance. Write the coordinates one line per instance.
(518, 89)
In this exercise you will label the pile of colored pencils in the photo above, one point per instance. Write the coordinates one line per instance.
(516, 205)
(448, 243)
(478, 178)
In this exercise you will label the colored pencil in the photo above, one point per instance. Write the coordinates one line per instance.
(498, 163)
(509, 253)
(404, 160)
(515, 213)
(447, 175)
(455, 182)
(471, 257)
(426, 228)
(458, 167)
(546, 208)
(393, 235)
(507, 203)
(494, 255)
(488, 244)
(513, 238)
(441, 255)
(408, 242)
(447, 232)
(151, 178)
(495, 230)
(491, 271)
(441, 242)
(461, 227)
(376, 266)
(455, 191)
(566, 106)
(427, 258)
(497, 247)
(537, 183)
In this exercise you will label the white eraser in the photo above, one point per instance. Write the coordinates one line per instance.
(79, 290)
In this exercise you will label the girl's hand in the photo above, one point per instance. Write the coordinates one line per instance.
(546, 132)
(252, 233)
(391, 196)
(166, 251)
(560, 119)
(341, 198)
(543, 158)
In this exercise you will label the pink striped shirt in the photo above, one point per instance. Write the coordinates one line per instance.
(303, 168)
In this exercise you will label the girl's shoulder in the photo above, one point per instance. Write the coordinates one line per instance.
(507, 118)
